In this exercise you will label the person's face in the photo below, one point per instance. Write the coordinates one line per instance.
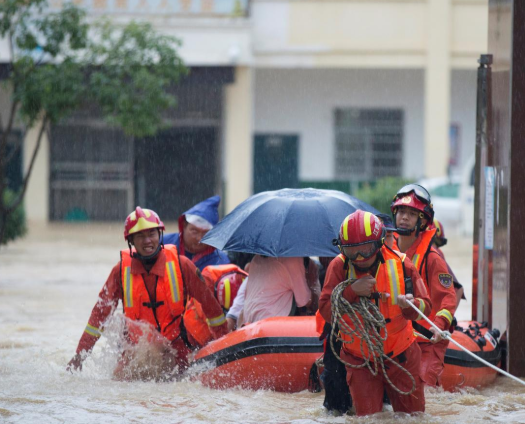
(146, 242)
(192, 236)
(406, 217)
(358, 254)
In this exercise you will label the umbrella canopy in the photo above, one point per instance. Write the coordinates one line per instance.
(286, 223)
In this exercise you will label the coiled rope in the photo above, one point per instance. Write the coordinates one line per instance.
(367, 323)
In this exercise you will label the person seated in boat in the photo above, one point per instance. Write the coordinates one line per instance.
(413, 213)
(224, 281)
(193, 226)
(280, 287)
(242, 260)
(440, 241)
(153, 282)
(375, 271)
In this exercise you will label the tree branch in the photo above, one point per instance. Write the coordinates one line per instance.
(17, 145)
(9, 209)
(3, 148)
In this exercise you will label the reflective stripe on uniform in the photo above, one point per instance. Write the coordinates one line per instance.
(128, 287)
(219, 320)
(415, 260)
(93, 331)
(393, 280)
(173, 281)
(227, 293)
(446, 314)
(351, 272)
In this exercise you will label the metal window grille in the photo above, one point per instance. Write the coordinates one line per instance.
(91, 173)
(369, 143)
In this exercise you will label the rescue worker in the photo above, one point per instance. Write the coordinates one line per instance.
(413, 213)
(153, 282)
(439, 241)
(224, 281)
(193, 226)
(375, 269)
(337, 397)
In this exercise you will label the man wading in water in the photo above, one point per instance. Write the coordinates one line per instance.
(153, 282)
(377, 272)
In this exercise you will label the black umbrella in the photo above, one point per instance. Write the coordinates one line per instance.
(286, 223)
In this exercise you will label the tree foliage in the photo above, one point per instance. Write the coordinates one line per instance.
(59, 62)
(380, 193)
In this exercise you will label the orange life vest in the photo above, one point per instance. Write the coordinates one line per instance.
(423, 249)
(169, 305)
(319, 323)
(390, 279)
(420, 262)
(215, 272)
(194, 317)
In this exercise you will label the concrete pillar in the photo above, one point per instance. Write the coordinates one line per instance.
(437, 88)
(238, 138)
(37, 195)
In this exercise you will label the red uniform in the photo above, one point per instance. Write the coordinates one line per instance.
(112, 292)
(366, 389)
(439, 282)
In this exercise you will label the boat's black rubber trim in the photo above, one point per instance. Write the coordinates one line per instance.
(261, 346)
(463, 359)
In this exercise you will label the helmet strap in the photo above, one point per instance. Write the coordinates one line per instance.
(418, 226)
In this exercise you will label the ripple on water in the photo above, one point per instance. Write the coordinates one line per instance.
(6, 413)
(12, 345)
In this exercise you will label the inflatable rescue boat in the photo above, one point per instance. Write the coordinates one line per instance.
(461, 369)
(280, 354)
(274, 354)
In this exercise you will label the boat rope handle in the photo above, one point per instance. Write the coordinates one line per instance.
(367, 323)
(448, 336)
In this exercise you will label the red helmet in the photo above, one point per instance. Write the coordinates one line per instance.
(227, 287)
(361, 229)
(440, 238)
(141, 219)
(414, 196)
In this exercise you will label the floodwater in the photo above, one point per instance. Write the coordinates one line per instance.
(49, 282)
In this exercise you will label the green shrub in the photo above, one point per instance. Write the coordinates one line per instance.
(16, 222)
(380, 193)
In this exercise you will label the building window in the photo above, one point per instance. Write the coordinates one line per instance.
(369, 143)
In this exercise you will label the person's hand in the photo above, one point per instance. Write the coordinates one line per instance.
(404, 299)
(231, 323)
(75, 363)
(437, 337)
(364, 285)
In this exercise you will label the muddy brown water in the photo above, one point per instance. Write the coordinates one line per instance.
(49, 282)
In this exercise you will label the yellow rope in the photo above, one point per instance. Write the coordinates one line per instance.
(367, 323)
